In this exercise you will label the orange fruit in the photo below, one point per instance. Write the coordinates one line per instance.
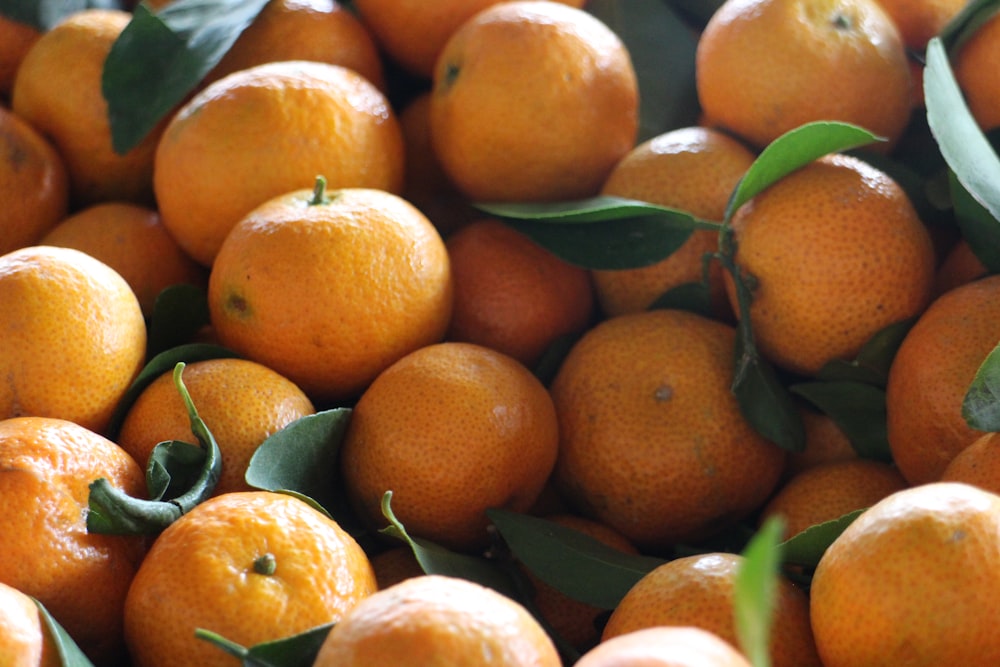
(764, 67)
(835, 252)
(251, 567)
(46, 466)
(692, 169)
(652, 440)
(452, 430)
(263, 132)
(413, 33)
(960, 265)
(33, 183)
(574, 621)
(241, 402)
(74, 336)
(426, 186)
(698, 591)
(58, 90)
(394, 565)
(976, 72)
(320, 30)
(825, 442)
(512, 294)
(24, 641)
(132, 240)
(919, 20)
(912, 581)
(931, 373)
(977, 464)
(664, 646)
(15, 40)
(829, 491)
(534, 140)
(331, 292)
(437, 619)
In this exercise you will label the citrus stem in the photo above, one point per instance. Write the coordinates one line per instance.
(265, 564)
(319, 192)
(230, 647)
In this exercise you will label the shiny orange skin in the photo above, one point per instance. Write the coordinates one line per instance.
(835, 252)
(912, 581)
(266, 131)
(206, 566)
(34, 186)
(931, 373)
(664, 646)
(331, 294)
(977, 464)
(46, 467)
(535, 140)
(74, 336)
(24, 641)
(919, 20)
(652, 440)
(452, 430)
(976, 73)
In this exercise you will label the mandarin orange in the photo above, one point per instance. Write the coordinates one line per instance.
(664, 646)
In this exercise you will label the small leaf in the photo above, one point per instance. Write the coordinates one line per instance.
(808, 547)
(764, 400)
(692, 297)
(981, 406)
(857, 408)
(159, 58)
(601, 232)
(298, 650)
(43, 15)
(962, 143)
(662, 48)
(755, 594)
(576, 564)
(435, 559)
(871, 366)
(69, 652)
(179, 312)
(792, 150)
(302, 458)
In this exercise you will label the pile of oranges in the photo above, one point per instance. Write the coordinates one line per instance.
(306, 230)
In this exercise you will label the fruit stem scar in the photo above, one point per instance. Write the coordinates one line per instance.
(319, 192)
(841, 21)
(663, 393)
(265, 564)
(450, 74)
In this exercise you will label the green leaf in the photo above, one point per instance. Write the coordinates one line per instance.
(158, 59)
(857, 408)
(299, 650)
(981, 406)
(157, 366)
(693, 297)
(808, 547)
(963, 145)
(755, 594)
(173, 467)
(69, 652)
(764, 400)
(601, 232)
(662, 48)
(792, 150)
(967, 21)
(435, 559)
(179, 312)
(576, 564)
(979, 228)
(43, 15)
(871, 366)
(302, 458)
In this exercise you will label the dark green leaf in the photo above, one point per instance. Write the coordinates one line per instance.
(173, 467)
(792, 150)
(178, 313)
(693, 297)
(962, 143)
(808, 547)
(299, 650)
(45, 14)
(576, 564)
(979, 228)
(602, 232)
(159, 59)
(764, 401)
(302, 458)
(755, 593)
(871, 366)
(157, 366)
(981, 406)
(69, 652)
(857, 408)
(662, 49)
(547, 367)
(435, 559)
(700, 11)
